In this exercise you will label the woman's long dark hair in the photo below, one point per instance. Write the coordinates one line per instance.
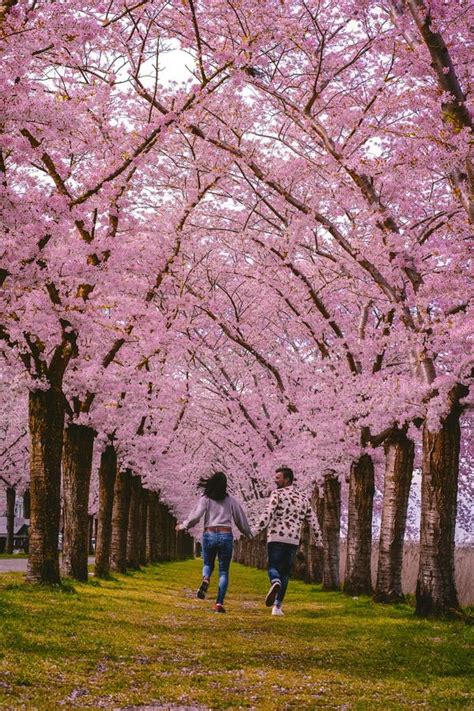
(214, 486)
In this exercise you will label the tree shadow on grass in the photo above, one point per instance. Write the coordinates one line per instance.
(66, 586)
(110, 578)
(379, 663)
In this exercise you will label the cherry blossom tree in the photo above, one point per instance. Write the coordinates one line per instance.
(78, 169)
(267, 261)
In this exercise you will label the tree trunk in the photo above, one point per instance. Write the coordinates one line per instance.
(237, 555)
(436, 594)
(122, 494)
(331, 532)
(46, 422)
(399, 456)
(107, 475)
(152, 528)
(252, 552)
(26, 504)
(11, 498)
(316, 552)
(189, 546)
(180, 545)
(142, 557)
(172, 537)
(159, 531)
(77, 466)
(359, 527)
(133, 535)
(163, 537)
(308, 563)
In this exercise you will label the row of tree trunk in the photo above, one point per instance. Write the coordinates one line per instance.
(133, 527)
(436, 591)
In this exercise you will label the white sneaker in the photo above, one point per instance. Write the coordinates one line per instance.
(277, 611)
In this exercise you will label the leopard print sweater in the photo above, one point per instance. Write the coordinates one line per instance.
(287, 509)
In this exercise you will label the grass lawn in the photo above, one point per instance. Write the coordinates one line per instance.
(13, 556)
(144, 639)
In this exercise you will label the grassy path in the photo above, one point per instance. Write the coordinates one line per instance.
(144, 639)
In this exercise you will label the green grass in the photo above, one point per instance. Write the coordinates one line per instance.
(13, 555)
(144, 639)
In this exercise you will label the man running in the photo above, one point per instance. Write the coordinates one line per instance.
(287, 508)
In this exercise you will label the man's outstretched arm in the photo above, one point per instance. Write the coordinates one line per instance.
(312, 519)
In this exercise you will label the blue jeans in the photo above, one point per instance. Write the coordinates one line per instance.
(280, 559)
(220, 544)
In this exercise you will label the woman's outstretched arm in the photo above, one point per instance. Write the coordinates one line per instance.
(194, 516)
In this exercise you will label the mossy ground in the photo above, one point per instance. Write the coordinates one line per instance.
(144, 639)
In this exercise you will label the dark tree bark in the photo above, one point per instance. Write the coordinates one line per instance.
(399, 456)
(189, 546)
(238, 553)
(107, 475)
(331, 531)
(133, 534)
(160, 533)
(252, 552)
(180, 545)
(163, 533)
(26, 504)
(184, 543)
(77, 466)
(172, 553)
(142, 557)
(436, 594)
(122, 493)
(46, 422)
(260, 555)
(152, 528)
(11, 498)
(309, 558)
(359, 529)
(316, 552)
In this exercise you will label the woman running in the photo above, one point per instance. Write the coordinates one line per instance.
(219, 510)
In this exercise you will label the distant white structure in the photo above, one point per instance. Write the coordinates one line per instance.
(20, 526)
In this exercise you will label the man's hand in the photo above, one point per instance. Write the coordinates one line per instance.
(179, 527)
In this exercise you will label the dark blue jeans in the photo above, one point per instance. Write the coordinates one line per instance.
(220, 544)
(280, 559)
